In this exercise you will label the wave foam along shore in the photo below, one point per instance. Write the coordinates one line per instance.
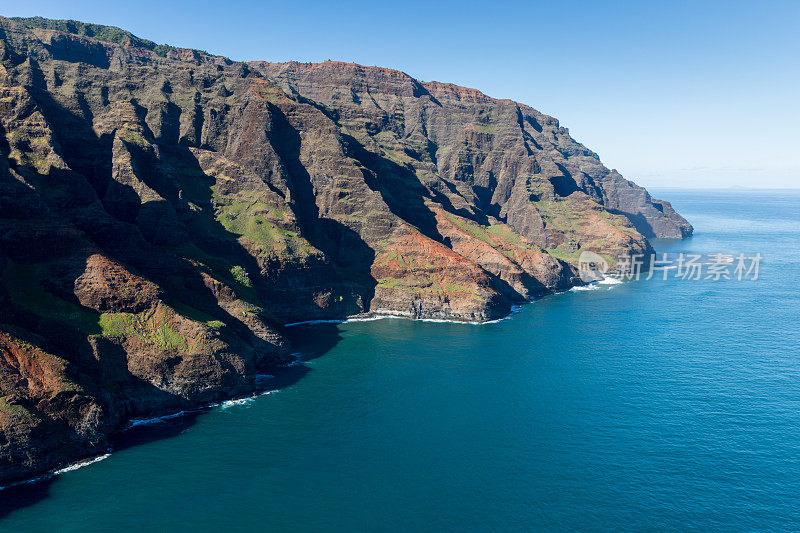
(384, 316)
(54, 473)
(160, 419)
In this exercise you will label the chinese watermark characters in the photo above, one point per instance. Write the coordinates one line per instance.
(682, 266)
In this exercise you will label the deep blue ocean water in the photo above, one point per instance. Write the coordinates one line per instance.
(648, 405)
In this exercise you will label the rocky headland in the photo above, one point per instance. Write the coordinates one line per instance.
(163, 212)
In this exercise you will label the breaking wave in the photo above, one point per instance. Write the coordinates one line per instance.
(54, 473)
(591, 287)
(81, 464)
(160, 419)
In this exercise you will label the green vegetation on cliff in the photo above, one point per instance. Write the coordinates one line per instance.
(256, 221)
(474, 229)
(109, 34)
(16, 411)
(148, 327)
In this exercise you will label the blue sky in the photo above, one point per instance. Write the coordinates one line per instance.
(685, 94)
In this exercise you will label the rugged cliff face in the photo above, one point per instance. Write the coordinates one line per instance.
(163, 211)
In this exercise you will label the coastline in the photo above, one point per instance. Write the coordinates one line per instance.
(138, 422)
(238, 400)
(382, 314)
(53, 473)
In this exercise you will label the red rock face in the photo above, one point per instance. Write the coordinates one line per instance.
(421, 278)
(164, 211)
(46, 418)
(517, 262)
(106, 286)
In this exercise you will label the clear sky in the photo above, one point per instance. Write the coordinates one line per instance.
(698, 94)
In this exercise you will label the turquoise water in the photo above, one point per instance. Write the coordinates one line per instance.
(648, 405)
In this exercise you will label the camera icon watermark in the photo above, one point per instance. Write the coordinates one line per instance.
(592, 267)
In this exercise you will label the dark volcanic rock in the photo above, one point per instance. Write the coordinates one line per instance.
(163, 211)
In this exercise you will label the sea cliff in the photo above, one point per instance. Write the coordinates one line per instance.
(163, 211)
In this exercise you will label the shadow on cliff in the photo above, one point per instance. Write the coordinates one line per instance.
(639, 222)
(343, 245)
(154, 236)
(399, 187)
(405, 194)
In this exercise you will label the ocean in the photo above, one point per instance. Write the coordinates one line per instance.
(651, 404)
